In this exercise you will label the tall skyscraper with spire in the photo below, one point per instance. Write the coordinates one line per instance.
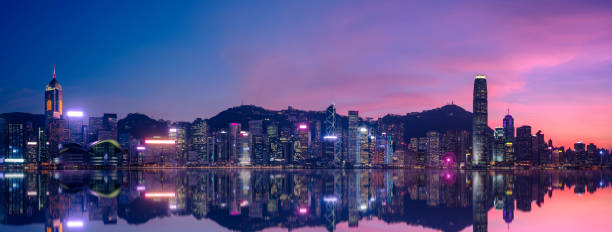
(56, 125)
(54, 99)
(480, 150)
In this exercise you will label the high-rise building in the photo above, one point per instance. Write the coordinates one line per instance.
(178, 133)
(499, 146)
(580, 153)
(523, 146)
(199, 139)
(109, 125)
(331, 142)
(234, 135)
(303, 142)
(353, 138)
(509, 127)
(480, 150)
(16, 144)
(75, 124)
(54, 99)
(592, 154)
(244, 147)
(433, 149)
(365, 146)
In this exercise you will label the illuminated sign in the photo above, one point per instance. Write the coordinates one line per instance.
(140, 148)
(173, 130)
(303, 126)
(12, 160)
(32, 143)
(140, 188)
(32, 193)
(160, 141)
(330, 137)
(73, 224)
(331, 199)
(14, 175)
(363, 129)
(303, 210)
(75, 113)
(160, 195)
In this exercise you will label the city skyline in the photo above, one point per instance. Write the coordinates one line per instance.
(405, 61)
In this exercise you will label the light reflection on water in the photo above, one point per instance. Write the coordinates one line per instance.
(304, 200)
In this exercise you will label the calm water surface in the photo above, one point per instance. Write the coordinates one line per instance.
(305, 200)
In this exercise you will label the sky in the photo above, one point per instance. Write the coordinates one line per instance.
(549, 62)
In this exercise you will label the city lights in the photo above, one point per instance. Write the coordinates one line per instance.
(172, 206)
(303, 210)
(160, 195)
(31, 143)
(14, 160)
(160, 141)
(32, 193)
(75, 113)
(141, 148)
(330, 137)
(172, 130)
(331, 199)
(74, 224)
(141, 188)
(363, 130)
(303, 126)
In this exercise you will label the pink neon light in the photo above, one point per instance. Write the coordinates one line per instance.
(448, 160)
(159, 195)
(234, 212)
(303, 210)
(141, 148)
(140, 188)
(303, 126)
(159, 141)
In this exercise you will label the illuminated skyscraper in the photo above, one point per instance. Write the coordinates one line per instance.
(199, 139)
(433, 149)
(353, 138)
(480, 151)
(16, 143)
(331, 143)
(499, 145)
(54, 98)
(509, 127)
(234, 133)
(75, 124)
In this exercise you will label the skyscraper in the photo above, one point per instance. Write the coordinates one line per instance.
(54, 99)
(499, 145)
(433, 149)
(480, 151)
(523, 145)
(199, 139)
(331, 143)
(353, 138)
(509, 127)
(234, 133)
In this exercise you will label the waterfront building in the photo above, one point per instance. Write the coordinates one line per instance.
(480, 150)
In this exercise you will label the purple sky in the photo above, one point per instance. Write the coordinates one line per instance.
(550, 62)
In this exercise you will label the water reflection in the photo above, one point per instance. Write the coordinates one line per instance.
(252, 200)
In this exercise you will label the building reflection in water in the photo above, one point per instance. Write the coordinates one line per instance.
(250, 200)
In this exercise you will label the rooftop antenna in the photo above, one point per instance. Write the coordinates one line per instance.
(53, 71)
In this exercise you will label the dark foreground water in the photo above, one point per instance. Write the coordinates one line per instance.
(305, 200)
